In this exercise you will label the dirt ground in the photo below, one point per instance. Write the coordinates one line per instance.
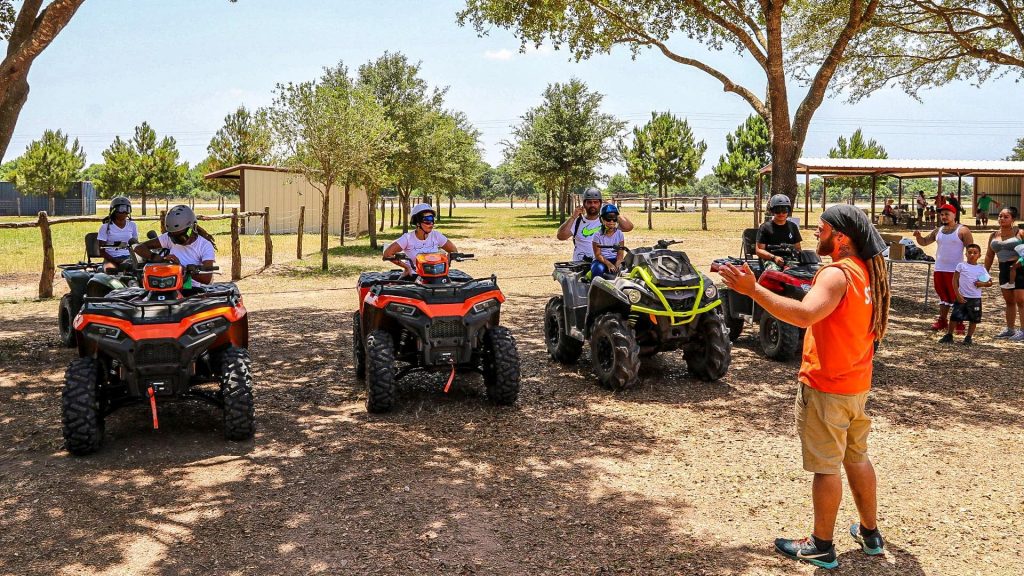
(676, 477)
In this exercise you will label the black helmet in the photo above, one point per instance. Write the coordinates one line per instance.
(591, 194)
(780, 200)
(120, 204)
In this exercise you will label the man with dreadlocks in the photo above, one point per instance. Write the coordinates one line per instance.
(845, 314)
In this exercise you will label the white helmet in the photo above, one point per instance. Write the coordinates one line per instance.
(419, 209)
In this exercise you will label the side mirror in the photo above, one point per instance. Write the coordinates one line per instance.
(152, 235)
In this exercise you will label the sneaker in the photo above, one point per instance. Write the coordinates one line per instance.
(1006, 333)
(959, 328)
(805, 551)
(967, 341)
(1007, 286)
(871, 545)
(1018, 337)
(939, 324)
(946, 339)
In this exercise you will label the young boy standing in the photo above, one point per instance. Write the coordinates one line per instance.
(969, 278)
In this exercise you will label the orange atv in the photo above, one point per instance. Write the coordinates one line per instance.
(442, 319)
(158, 342)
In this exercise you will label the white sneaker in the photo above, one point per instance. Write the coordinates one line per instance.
(1018, 337)
(1007, 286)
(1006, 333)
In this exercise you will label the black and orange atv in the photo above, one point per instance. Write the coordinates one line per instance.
(158, 342)
(444, 320)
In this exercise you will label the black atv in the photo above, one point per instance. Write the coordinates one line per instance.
(658, 302)
(779, 340)
(157, 342)
(89, 279)
(442, 320)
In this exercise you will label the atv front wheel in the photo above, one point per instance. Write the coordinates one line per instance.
(81, 416)
(358, 351)
(614, 352)
(735, 325)
(709, 353)
(780, 341)
(501, 366)
(65, 317)
(380, 371)
(236, 391)
(561, 346)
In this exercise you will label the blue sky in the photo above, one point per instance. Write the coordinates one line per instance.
(183, 65)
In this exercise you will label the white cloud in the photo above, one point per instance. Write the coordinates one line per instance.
(503, 54)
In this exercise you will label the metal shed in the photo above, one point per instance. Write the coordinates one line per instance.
(285, 192)
(1002, 179)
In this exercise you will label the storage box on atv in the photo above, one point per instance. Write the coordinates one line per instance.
(669, 268)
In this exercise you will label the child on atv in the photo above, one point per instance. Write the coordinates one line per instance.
(608, 243)
(117, 228)
(188, 243)
(422, 239)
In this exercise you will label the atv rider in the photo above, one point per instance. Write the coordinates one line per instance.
(188, 243)
(422, 239)
(581, 228)
(779, 230)
(117, 228)
(608, 243)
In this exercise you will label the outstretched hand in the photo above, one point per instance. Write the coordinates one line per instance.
(739, 279)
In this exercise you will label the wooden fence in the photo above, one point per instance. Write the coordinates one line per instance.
(44, 222)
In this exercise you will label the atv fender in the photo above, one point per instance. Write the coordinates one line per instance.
(605, 297)
(102, 284)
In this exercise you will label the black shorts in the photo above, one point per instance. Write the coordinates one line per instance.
(1004, 275)
(969, 311)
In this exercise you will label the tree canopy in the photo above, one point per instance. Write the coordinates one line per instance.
(1018, 151)
(244, 138)
(664, 153)
(144, 164)
(747, 150)
(49, 165)
(857, 147)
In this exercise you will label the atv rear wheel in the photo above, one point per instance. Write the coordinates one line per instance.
(709, 353)
(614, 352)
(358, 350)
(380, 371)
(81, 415)
(236, 391)
(780, 341)
(561, 346)
(734, 325)
(501, 366)
(65, 317)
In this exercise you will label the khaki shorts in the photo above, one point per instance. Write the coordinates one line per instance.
(833, 429)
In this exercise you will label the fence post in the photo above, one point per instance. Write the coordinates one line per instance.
(236, 248)
(704, 213)
(392, 212)
(163, 225)
(650, 208)
(268, 255)
(302, 219)
(46, 278)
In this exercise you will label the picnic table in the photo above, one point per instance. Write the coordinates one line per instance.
(927, 279)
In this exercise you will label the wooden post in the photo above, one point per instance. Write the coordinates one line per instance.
(163, 223)
(899, 190)
(874, 190)
(757, 196)
(46, 277)
(807, 196)
(940, 191)
(959, 194)
(236, 248)
(704, 213)
(392, 212)
(824, 192)
(383, 211)
(650, 208)
(268, 244)
(302, 221)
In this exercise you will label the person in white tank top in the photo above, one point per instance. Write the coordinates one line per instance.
(951, 238)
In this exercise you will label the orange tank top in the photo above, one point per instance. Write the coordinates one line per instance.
(838, 350)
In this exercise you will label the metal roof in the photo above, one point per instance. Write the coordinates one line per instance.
(234, 172)
(906, 168)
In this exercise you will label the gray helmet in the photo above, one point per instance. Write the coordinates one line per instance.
(179, 218)
(119, 202)
(591, 194)
(780, 200)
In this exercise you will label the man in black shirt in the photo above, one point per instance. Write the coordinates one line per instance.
(778, 230)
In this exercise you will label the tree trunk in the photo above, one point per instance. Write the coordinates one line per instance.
(563, 199)
(344, 213)
(10, 107)
(451, 204)
(324, 212)
(371, 217)
(143, 202)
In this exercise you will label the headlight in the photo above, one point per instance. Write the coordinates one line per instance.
(634, 296)
(710, 291)
(163, 281)
(105, 331)
(204, 327)
(434, 268)
(403, 309)
(486, 305)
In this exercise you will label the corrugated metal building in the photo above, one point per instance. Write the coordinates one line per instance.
(285, 192)
(80, 200)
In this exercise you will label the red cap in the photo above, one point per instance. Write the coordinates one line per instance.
(947, 207)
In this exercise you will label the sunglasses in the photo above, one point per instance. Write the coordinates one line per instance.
(427, 219)
(611, 218)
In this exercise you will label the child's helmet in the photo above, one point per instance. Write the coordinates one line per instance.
(780, 200)
(609, 209)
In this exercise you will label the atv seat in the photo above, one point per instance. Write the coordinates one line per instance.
(92, 247)
(749, 246)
